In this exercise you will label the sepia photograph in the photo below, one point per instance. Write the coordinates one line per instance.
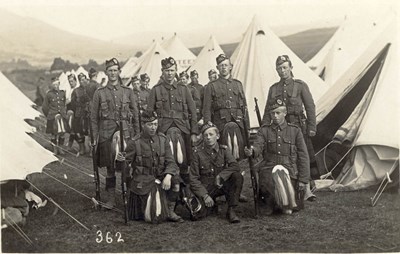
(205, 126)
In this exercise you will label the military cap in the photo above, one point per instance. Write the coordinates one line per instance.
(207, 126)
(276, 104)
(183, 74)
(54, 79)
(194, 73)
(112, 62)
(134, 79)
(283, 58)
(148, 116)
(211, 72)
(221, 58)
(92, 72)
(80, 75)
(71, 76)
(144, 77)
(167, 63)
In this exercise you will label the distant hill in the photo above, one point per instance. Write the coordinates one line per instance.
(39, 43)
(305, 44)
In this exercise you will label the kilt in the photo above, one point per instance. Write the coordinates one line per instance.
(104, 154)
(151, 207)
(52, 129)
(80, 125)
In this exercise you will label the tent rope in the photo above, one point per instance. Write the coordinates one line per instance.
(77, 191)
(323, 177)
(19, 230)
(48, 141)
(62, 209)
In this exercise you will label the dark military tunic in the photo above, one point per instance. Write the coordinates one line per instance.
(80, 106)
(143, 96)
(198, 97)
(151, 159)
(91, 88)
(282, 145)
(295, 93)
(206, 165)
(174, 106)
(53, 104)
(110, 103)
(224, 100)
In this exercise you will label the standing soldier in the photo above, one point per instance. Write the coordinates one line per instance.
(194, 76)
(184, 79)
(80, 107)
(111, 104)
(296, 94)
(54, 108)
(73, 82)
(144, 90)
(285, 167)
(154, 172)
(93, 84)
(214, 172)
(176, 112)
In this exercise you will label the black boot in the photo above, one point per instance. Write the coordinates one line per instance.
(231, 215)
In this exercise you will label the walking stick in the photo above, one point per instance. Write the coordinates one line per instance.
(122, 167)
(95, 167)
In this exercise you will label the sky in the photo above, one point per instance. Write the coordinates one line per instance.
(107, 20)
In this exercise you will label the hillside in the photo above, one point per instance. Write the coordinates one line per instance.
(39, 43)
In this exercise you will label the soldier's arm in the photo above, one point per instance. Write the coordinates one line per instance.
(232, 165)
(259, 143)
(170, 164)
(247, 119)
(194, 178)
(130, 151)
(72, 104)
(267, 118)
(94, 113)
(207, 103)
(309, 106)
(45, 105)
(303, 161)
(151, 101)
(135, 111)
(194, 129)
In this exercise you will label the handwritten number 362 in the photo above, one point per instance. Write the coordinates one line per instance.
(109, 237)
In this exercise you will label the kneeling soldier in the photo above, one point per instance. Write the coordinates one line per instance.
(154, 170)
(214, 172)
(285, 169)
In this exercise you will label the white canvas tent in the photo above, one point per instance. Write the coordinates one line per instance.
(82, 70)
(206, 59)
(346, 45)
(182, 55)
(128, 70)
(254, 65)
(361, 112)
(15, 141)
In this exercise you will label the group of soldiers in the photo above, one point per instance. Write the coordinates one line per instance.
(184, 141)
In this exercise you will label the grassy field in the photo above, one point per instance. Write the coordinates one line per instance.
(336, 222)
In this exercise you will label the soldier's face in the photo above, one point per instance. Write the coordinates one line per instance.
(144, 82)
(55, 85)
(210, 137)
(213, 77)
(284, 70)
(278, 115)
(194, 78)
(224, 68)
(136, 85)
(169, 74)
(150, 128)
(72, 82)
(113, 73)
(184, 80)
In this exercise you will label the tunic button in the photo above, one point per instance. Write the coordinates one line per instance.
(279, 152)
(284, 91)
(279, 144)
(172, 103)
(230, 89)
(279, 136)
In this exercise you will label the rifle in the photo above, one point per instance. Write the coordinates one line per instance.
(140, 116)
(258, 112)
(94, 160)
(253, 171)
(122, 167)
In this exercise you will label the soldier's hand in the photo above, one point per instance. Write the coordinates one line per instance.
(94, 143)
(312, 133)
(302, 186)
(248, 151)
(166, 183)
(218, 181)
(201, 121)
(121, 156)
(209, 201)
(194, 138)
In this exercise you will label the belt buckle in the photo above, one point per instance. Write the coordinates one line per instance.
(228, 104)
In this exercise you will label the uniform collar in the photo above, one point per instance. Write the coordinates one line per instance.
(210, 150)
(174, 84)
(281, 126)
(111, 87)
(147, 136)
(226, 79)
(287, 81)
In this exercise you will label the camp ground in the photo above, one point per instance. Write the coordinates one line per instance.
(49, 202)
